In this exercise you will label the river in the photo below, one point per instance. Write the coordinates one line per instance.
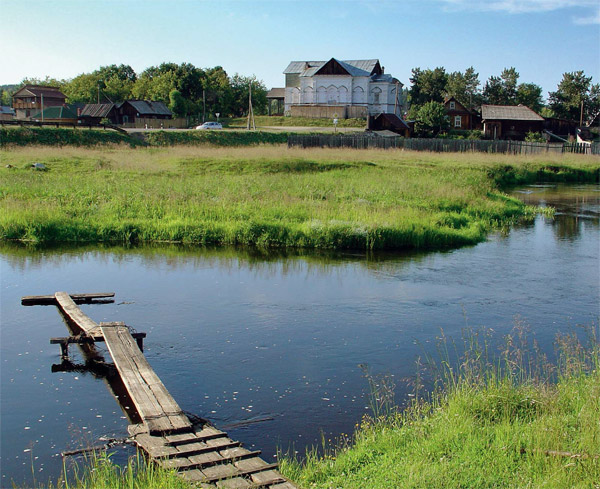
(268, 346)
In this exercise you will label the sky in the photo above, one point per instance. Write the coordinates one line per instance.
(542, 39)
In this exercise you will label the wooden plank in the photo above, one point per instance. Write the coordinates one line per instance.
(231, 470)
(218, 472)
(168, 405)
(235, 483)
(201, 447)
(123, 353)
(35, 300)
(72, 312)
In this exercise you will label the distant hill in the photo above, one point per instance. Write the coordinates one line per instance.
(10, 88)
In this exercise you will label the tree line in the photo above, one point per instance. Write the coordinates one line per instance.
(575, 98)
(186, 89)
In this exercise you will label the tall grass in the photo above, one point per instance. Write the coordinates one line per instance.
(512, 420)
(263, 196)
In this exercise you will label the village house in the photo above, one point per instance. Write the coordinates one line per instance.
(30, 99)
(509, 122)
(131, 112)
(7, 113)
(340, 89)
(142, 111)
(459, 116)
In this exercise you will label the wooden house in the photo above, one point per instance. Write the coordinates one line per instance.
(95, 113)
(275, 99)
(460, 117)
(132, 111)
(31, 98)
(510, 122)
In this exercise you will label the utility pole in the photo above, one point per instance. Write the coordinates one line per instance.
(250, 111)
(42, 107)
(203, 105)
(396, 101)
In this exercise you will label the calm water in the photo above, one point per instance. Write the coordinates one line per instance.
(239, 336)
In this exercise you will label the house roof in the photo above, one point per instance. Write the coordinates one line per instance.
(276, 93)
(56, 112)
(148, 107)
(393, 120)
(355, 67)
(6, 109)
(509, 113)
(96, 110)
(38, 91)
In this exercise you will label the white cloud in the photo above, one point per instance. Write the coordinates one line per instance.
(520, 6)
(586, 12)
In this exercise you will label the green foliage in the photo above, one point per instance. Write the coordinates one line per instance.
(535, 137)
(427, 85)
(574, 90)
(28, 136)
(432, 119)
(464, 87)
(530, 95)
(177, 103)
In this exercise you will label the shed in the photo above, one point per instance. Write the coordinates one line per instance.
(510, 122)
(276, 97)
(7, 113)
(389, 122)
(56, 114)
(94, 113)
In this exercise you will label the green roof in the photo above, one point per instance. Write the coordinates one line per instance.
(57, 112)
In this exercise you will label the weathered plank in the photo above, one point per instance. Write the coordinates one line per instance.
(40, 300)
(235, 483)
(73, 313)
(153, 402)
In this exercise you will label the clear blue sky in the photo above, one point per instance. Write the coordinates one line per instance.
(63, 38)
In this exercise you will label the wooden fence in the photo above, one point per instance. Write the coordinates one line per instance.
(367, 141)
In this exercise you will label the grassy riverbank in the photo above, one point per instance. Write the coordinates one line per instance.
(513, 421)
(508, 423)
(267, 196)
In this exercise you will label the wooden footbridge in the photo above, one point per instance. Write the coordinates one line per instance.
(199, 452)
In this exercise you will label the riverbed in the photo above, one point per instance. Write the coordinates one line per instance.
(268, 346)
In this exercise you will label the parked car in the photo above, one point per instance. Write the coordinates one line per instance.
(210, 125)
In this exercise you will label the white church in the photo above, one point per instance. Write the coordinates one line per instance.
(343, 89)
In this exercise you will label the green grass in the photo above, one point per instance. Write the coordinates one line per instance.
(263, 196)
(490, 424)
(27, 136)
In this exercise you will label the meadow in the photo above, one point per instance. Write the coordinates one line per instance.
(268, 195)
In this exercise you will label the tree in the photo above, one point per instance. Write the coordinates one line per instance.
(502, 90)
(428, 85)
(530, 94)
(432, 119)
(464, 87)
(240, 86)
(177, 103)
(574, 90)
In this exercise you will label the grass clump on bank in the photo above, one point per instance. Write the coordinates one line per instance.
(45, 136)
(215, 138)
(507, 423)
(262, 196)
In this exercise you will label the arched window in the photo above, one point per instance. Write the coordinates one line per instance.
(321, 95)
(376, 95)
(358, 95)
(343, 95)
(309, 95)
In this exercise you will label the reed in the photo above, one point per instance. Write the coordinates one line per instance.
(512, 420)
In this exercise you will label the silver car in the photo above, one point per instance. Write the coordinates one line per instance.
(210, 125)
